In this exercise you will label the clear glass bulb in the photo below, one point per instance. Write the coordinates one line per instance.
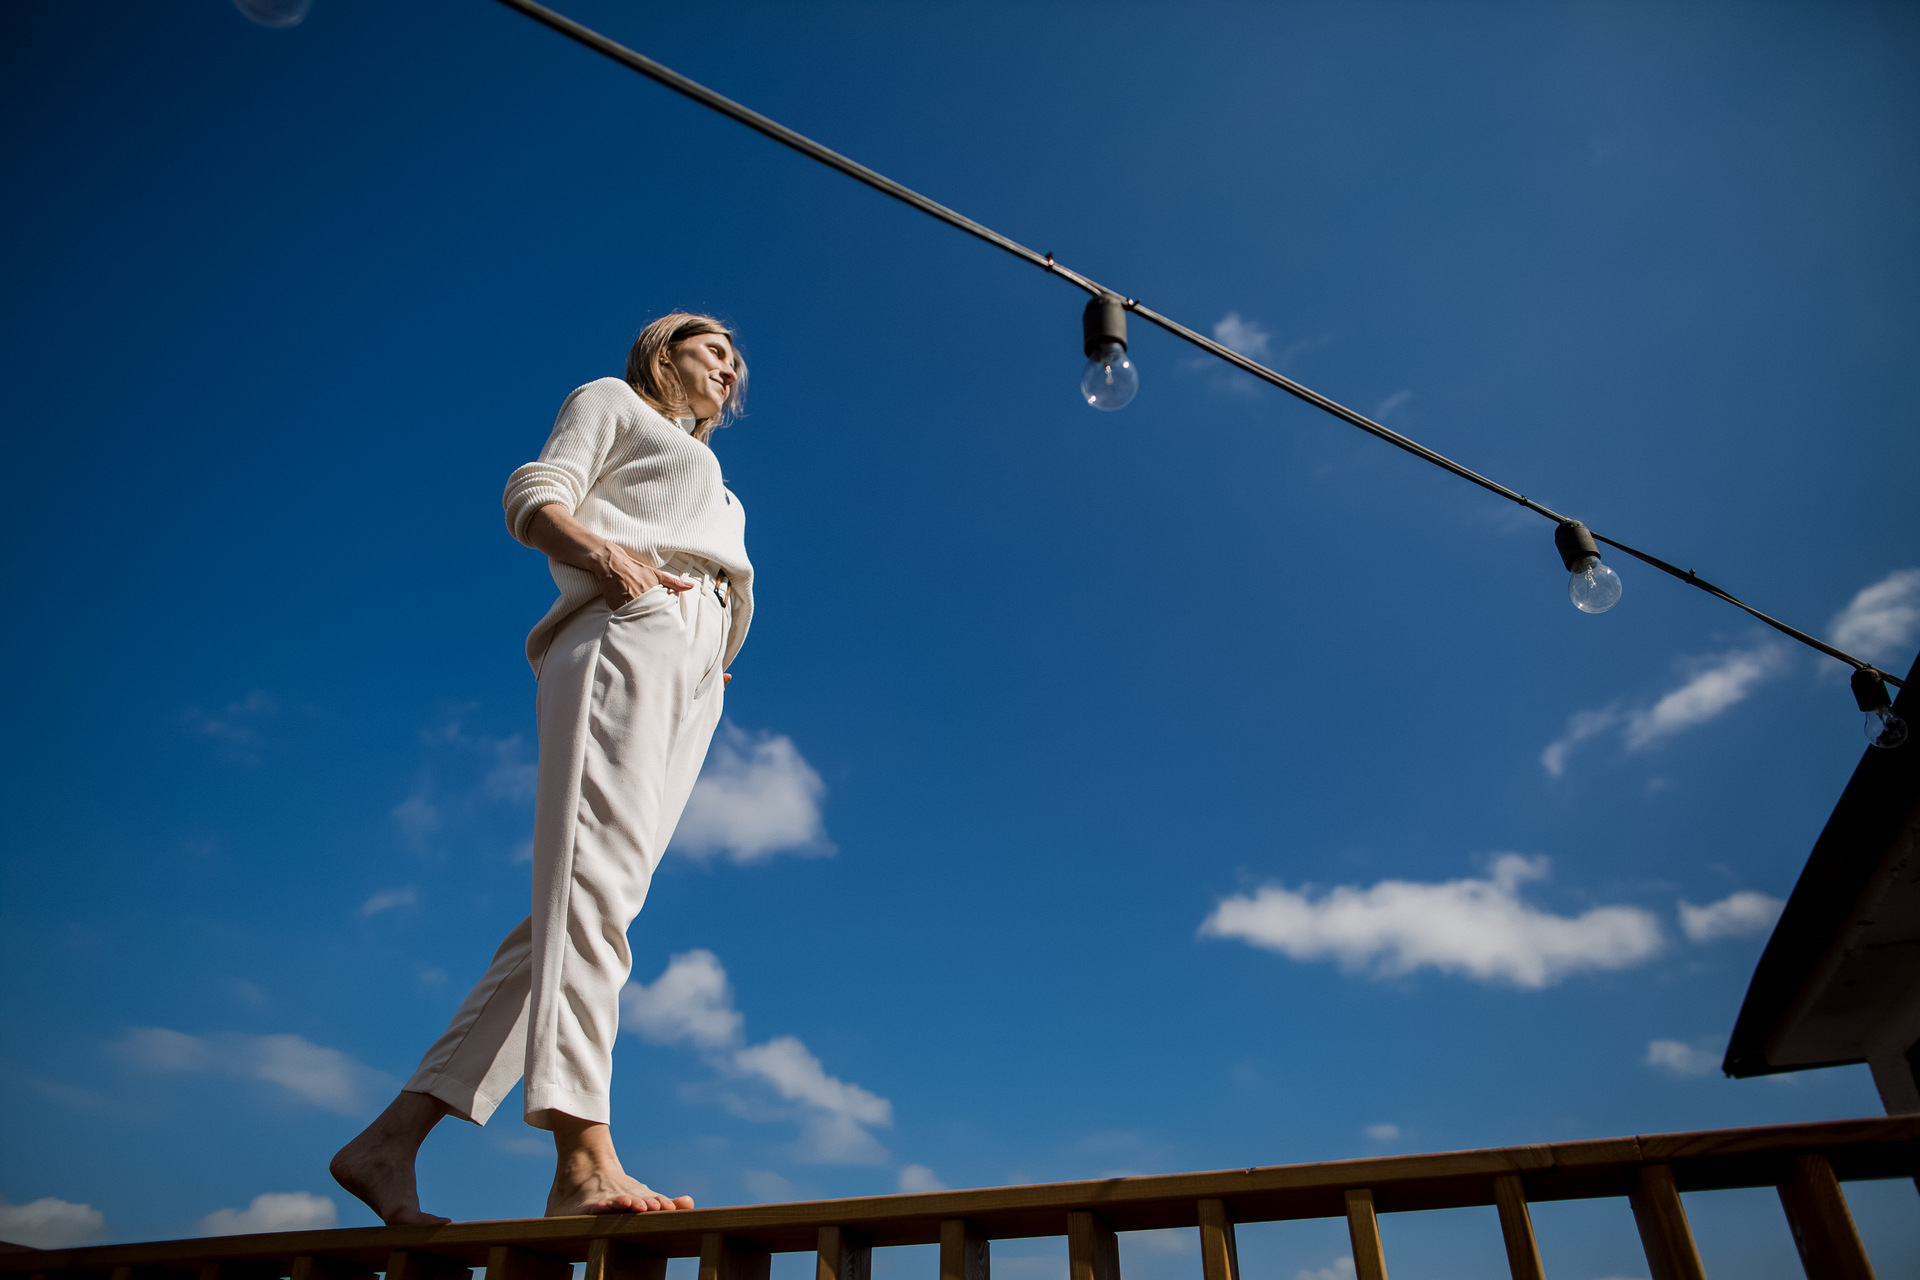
(1593, 587)
(1885, 729)
(1110, 379)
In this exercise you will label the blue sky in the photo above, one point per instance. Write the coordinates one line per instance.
(1194, 786)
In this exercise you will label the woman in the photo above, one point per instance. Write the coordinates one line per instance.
(647, 548)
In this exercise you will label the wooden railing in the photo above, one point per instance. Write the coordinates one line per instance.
(1807, 1162)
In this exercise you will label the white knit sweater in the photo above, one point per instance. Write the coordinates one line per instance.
(637, 479)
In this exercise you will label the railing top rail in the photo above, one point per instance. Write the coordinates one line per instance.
(1704, 1160)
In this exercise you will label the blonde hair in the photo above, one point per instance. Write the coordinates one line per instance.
(651, 374)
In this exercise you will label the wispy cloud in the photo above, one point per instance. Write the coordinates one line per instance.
(275, 1211)
(1252, 340)
(1244, 336)
(1713, 685)
(917, 1177)
(48, 1223)
(1882, 621)
(1386, 407)
(1678, 1058)
(756, 797)
(1719, 683)
(1382, 1132)
(1479, 928)
(390, 900)
(418, 817)
(692, 1003)
(1339, 1269)
(236, 726)
(1735, 916)
(315, 1074)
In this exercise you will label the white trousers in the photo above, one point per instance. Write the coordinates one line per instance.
(628, 702)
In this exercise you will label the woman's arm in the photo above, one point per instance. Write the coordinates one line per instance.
(553, 529)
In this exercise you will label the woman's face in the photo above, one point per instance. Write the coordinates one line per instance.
(705, 365)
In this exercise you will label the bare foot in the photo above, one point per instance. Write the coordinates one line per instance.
(377, 1166)
(587, 1176)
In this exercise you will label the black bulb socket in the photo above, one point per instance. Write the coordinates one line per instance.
(1870, 690)
(1575, 543)
(1104, 322)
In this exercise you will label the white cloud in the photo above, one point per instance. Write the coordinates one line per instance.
(832, 1126)
(1882, 621)
(917, 1177)
(313, 1073)
(1678, 1058)
(1243, 336)
(1338, 1269)
(235, 725)
(1479, 928)
(418, 817)
(756, 797)
(1580, 726)
(1382, 1132)
(1716, 683)
(51, 1224)
(692, 1003)
(1734, 916)
(512, 777)
(768, 1187)
(1722, 682)
(1391, 403)
(389, 900)
(282, 1211)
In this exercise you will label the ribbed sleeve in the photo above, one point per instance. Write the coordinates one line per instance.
(574, 455)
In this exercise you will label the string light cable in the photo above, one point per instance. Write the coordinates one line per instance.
(1110, 379)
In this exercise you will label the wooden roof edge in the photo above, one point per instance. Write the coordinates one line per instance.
(1829, 885)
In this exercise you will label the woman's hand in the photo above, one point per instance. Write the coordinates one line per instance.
(621, 576)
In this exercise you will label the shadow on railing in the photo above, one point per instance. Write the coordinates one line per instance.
(1807, 1162)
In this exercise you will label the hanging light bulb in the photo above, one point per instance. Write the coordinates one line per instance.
(1109, 380)
(1593, 587)
(1884, 729)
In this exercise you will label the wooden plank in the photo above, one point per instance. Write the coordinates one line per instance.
(1823, 1230)
(1516, 1228)
(1881, 1147)
(1093, 1251)
(725, 1257)
(512, 1262)
(964, 1251)
(1219, 1255)
(609, 1259)
(1363, 1229)
(1664, 1232)
(841, 1254)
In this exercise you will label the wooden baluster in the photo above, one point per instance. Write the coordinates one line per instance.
(622, 1260)
(964, 1252)
(410, 1264)
(841, 1255)
(308, 1266)
(122, 1273)
(724, 1257)
(1363, 1229)
(1093, 1251)
(1219, 1257)
(512, 1262)
(1516, 1227)
(1664, 1232)
(1829, 1243)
